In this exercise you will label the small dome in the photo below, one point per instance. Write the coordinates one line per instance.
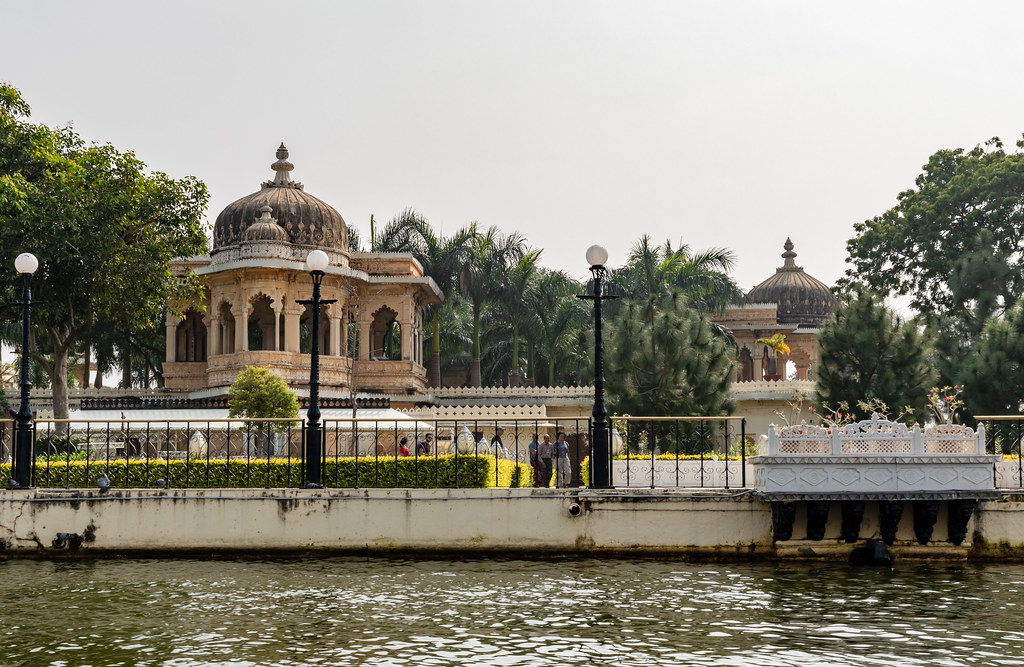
(266, 228)
(304, 219)
(801, 299)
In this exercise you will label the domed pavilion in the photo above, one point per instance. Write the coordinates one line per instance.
(791, 303)
(371, 337)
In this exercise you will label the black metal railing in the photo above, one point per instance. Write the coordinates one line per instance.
(683, 452)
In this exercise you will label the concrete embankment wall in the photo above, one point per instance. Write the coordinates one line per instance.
(712, 524)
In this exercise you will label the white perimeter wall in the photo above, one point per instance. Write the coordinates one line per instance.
(516, 521)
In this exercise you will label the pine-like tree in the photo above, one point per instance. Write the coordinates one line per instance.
(667, 361)
(867, 352)
(993, 371)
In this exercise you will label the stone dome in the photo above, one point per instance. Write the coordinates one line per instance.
(266, 228)
(304, 219)
(801, 299)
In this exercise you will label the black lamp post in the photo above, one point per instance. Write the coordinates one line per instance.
(600, 456)
(26, 264)
(312, 455)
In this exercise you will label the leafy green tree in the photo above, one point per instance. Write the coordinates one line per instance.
(993, 370)
(868, 354)
(652, 271)
(355, 241)
(104, 232)
(257, 393)
(965, 202)
(672, 364)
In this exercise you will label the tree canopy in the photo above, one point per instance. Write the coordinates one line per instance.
(868, 354)
(993, 369)
(672, 364)
(965, 203)
(259, 394)
(103, 229)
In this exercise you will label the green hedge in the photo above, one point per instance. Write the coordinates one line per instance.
(423, 472)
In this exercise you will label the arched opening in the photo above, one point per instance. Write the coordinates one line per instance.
(227, 329)
(385, 335)
(190, 337)
(306, 330)
(746, 365)
(261, 330)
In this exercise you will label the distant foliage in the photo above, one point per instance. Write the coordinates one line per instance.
(666, 360)
(953, 245)
(964, 202)
(869, 356)
(104, 230)
(993, 371)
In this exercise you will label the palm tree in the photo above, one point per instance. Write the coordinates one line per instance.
(560, 317)
(652, 271)
(441, 258)
(776, 345)
(514, 294)
(489, 253)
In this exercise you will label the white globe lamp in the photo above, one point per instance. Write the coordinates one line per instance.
(26, 262)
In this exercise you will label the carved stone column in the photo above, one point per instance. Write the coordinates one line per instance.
(292, 314)
(241, 328)
(365, 342)
(407, 340)
(756, 355)
(213, 338)
(172, 338)
(337, 334)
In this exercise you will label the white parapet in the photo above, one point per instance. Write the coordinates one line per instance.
(874, 456)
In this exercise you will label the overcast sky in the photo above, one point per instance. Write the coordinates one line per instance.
(715, 123)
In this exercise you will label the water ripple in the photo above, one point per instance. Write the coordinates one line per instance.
(355, 611)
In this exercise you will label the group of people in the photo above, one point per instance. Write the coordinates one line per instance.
(424, 447)
(547, 456)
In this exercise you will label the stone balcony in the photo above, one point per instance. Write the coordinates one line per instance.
(390, 377)
(292, 367)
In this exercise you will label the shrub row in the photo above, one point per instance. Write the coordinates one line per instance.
(440, 472)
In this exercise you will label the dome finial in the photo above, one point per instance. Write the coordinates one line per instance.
(789, 255)
(282, 167)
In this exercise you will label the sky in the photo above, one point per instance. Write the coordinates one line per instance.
(714, 124)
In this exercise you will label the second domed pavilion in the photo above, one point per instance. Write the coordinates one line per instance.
(371, 337)
(790, 302)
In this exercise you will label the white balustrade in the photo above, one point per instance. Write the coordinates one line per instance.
(874, 456)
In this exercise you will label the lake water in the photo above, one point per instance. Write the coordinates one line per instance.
(356, 611)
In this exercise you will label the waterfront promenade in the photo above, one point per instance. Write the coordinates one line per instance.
(713, 524)
(136, 489)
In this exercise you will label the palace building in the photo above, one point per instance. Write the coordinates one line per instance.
(792, 303)
(371, 337)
